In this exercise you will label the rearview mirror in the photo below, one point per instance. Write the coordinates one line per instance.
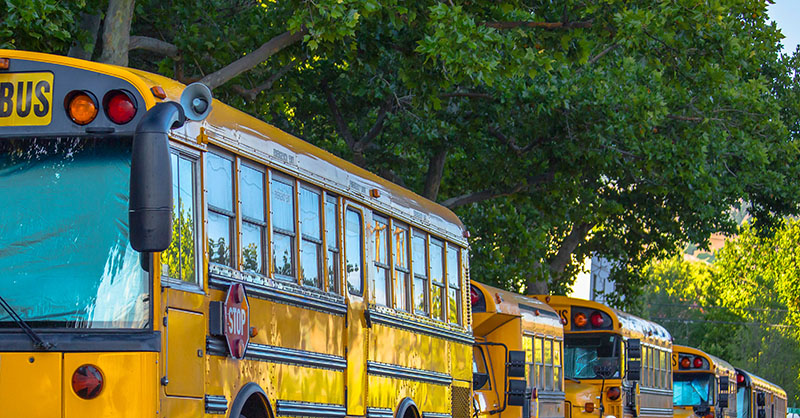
(723, 400)
(516, 364)
(761, 399)
(517, 389)
(634, 372)
(634, 348)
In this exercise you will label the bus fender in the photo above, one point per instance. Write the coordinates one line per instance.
(406, 405)
(244, 395)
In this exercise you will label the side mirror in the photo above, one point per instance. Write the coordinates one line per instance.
(761, 399)
(479, 380)
(515, 367)
(634, 372)
(723, 400)
(517, 391)
(634, 348)
(724, 384)
(762, 413)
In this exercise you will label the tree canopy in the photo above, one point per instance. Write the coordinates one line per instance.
(555, 130)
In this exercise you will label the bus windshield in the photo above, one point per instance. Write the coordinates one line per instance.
(692, 389)
(65, 257)
(591, 356)
(743, 402)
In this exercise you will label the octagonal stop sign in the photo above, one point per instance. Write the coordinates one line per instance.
(236, 317)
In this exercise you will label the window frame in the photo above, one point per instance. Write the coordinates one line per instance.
(277, 176)
(441, 287)
(302, 238)
(336, 248)
(458, 283)
(263, 225)
(426, 312)
(232, 216)
(398, 270)
(349, 207)
(387, 268)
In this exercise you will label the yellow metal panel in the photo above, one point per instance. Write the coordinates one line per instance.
(186, 334)
(356, 358)
(461, 361)
(130, 388)
(173, 407)
(30, 385)
(386, 392)
(408, 349)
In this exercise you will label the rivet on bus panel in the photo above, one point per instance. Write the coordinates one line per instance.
(5, 63)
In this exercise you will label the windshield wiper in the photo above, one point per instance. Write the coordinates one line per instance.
(572, 380)
(38, 342)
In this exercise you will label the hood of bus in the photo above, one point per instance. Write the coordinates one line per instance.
(683, 412)
(588, 391)
(39, 385)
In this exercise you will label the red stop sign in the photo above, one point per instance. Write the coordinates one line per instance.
(236, 317)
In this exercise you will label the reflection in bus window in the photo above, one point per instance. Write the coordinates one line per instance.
(219, 181)
(479, 367)
(557, 365)
(380, 229)
(251, 191)
(548, 364)
(537, 360)
(401, 270)
(178, 261)
(584, 354)
(693, 389)
(419, 262)
(353, 253)
(311, 237)
(454, 285)
(437, 279)
(332, 239)
(282, 204)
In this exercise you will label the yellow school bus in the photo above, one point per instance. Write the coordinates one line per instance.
(701, 384)
(615, 364)
(154, 266)
(505, 322)
(757, 397)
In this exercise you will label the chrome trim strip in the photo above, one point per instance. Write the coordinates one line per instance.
(435, 415)
(216, 404)
(661, 412)
(407, 373)
(379, 413)
(307, 409)
(273, 354)
(419, 327)
(275, 291)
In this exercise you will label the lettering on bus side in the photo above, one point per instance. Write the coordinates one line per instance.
(26, 99)
(564, 314)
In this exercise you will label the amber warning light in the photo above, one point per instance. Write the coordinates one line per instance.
(87, 381)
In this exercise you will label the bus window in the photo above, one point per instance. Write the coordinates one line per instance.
(537, 360)
(380, 230)
(311, 237)
(557, 365)
(583, 353)
(479, 368)
(332, 240)
(527, 346)
(548, 364)
(401, 270)
(221, 215)
(454, 284)
(419, 263)
(437, 279)
(283, 232)
(693, 389)
(353, 252)
(178, 261)
(251, 192)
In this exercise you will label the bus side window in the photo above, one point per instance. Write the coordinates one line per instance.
(380, 236)
(548, 364)
(353, 251)
(221, 214)
(557, 365)
(283, 227)
(438, 295)
(254, 222)
(537, 360)
(401, 271)
(332, 241)
(527, 346)
(310, 237)
(178, 261)
(454, 284)
(419, 265)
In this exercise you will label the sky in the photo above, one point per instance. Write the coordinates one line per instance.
(786, 13)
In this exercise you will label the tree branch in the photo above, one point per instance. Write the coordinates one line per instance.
(252, 93)
(249, 61)
(467, 94)
(153, 45)
(576, 235)
(341, 126)
(602, 54)
(377, 127)
(493, 192)
(541, 25)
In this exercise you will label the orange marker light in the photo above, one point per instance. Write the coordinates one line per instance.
(685, 363)
(158, 92)
(5, 63)
(580, 319)
(82, 109)
(589, 407)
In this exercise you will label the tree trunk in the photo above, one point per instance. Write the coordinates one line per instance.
(564, 254)
(536, 284)
(90, 22)
(435, 171)
(117, 31)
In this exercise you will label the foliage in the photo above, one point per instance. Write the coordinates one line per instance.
(42, 25)
(744, 308)
(619, 128)
(179, 259)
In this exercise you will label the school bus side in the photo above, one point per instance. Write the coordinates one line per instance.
(757, 397)
(693, 369)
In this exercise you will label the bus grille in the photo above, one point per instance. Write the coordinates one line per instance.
(461, 402)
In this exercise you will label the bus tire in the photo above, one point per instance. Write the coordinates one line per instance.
(251, 402)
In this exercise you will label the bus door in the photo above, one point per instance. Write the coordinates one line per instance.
(357, 330)
(182, 297)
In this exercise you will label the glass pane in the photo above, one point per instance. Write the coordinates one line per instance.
(454, 312)
(331, 222)
(219, 239)
(557, 353)
(437, 261)
(381, 295)
(309, 213)
(333, 272)
(452, 266)
(282, 259)
(548, 352)
(436, 302)
(401, 290)
(310, 264)
(282, 205)
(400, 247)
(219, 181)
(252, 193)
(186, 219)
(420, 295)
(527, 346)
(352, 242)
(251, 248)
(537, 350)
(557, 377)
(171, 258)
(420, 262)
(381, 243)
